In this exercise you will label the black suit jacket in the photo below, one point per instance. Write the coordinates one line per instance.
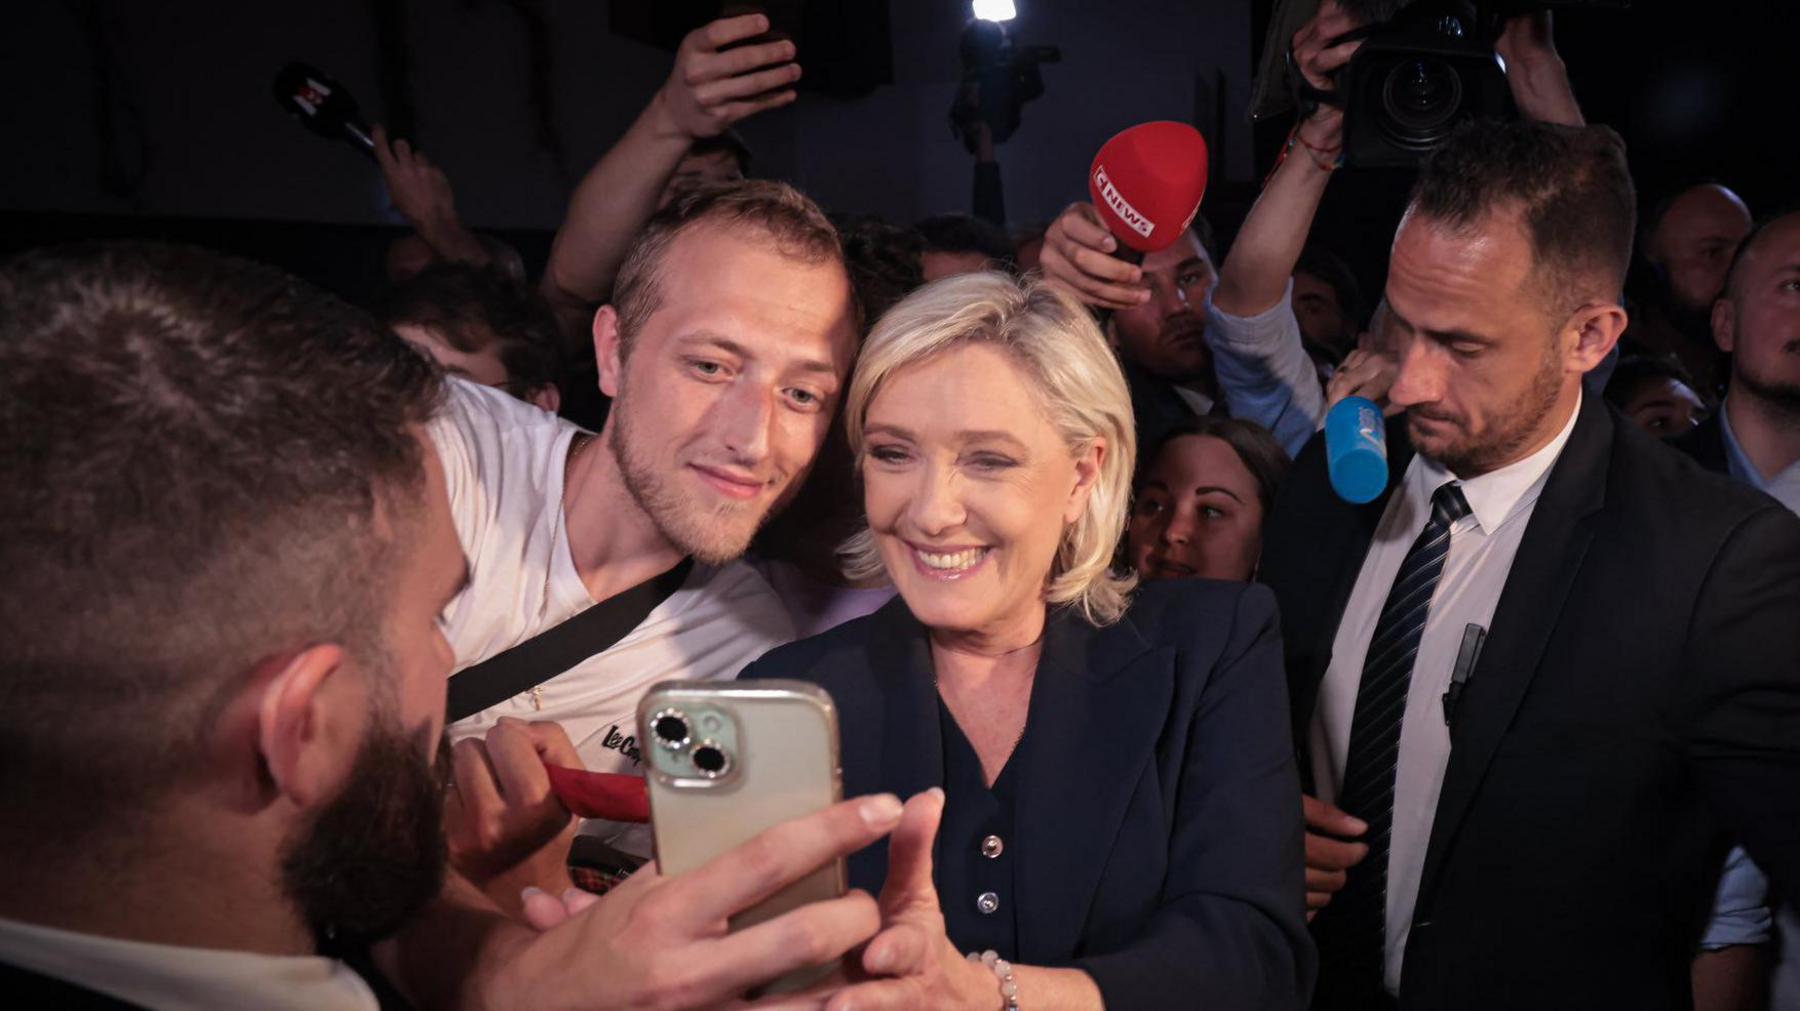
(1705, 442)
(1636, 704)
(1156, 409)
(1157, 819)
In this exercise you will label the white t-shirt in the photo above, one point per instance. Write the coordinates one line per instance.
(504, 462)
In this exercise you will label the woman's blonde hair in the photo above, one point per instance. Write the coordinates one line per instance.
(1053, 340)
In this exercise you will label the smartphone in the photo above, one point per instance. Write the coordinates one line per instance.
(727, 761)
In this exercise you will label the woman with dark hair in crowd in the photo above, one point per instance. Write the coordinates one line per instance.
(1120, 818)
(1200, 503)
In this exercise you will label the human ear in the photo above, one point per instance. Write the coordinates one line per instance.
(305, 733)
(1596, 329)
(1724, 325)
(608, 349)
(1088, 464)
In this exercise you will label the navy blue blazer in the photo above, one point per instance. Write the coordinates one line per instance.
(1157, 828)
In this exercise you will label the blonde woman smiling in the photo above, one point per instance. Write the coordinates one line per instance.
(1119, 816)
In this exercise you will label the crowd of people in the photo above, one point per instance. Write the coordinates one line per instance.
(1136, 710)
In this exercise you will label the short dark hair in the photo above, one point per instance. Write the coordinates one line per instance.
(1570, 183)
(1206, 236)
(208, 463)
(1331, 269)
(1633, 371)
(883, 259)
(475, 307)
(1262, 456)
(773, 209)
(964, 233)
(731, 142)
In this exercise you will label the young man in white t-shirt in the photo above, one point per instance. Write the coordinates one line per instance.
(730, 334)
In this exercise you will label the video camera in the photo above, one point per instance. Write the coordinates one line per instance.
(1424, 68)
(998, 78)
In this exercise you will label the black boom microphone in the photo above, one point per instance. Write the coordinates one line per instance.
(323, 106)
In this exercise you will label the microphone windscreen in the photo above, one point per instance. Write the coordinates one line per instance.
(1147, 183)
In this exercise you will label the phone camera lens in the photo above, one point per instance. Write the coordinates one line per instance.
(671, 728)
(711, 760)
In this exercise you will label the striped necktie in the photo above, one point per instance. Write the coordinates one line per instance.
(1351, 931)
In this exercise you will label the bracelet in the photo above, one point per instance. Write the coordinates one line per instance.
(1334, 155)
(1009, 988)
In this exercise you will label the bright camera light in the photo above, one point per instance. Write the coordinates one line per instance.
(995, 10)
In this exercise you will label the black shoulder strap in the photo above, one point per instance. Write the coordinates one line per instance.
(560, 647)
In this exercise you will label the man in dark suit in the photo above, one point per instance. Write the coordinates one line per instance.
(1543, 680)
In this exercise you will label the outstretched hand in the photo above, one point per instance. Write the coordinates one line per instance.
(420, 190)
(713, 87)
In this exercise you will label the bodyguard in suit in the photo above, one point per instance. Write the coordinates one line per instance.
(1542, 681)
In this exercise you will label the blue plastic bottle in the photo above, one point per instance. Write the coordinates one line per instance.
(1356, 450)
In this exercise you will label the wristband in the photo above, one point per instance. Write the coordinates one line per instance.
(1009, 988)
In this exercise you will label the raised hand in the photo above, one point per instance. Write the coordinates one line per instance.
(713, 87)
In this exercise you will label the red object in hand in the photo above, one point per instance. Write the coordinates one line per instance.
(1147, 183)
(607, 795)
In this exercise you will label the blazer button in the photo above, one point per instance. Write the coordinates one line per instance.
(987, 902)
(992, 847)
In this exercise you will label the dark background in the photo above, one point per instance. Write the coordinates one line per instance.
(156, 118)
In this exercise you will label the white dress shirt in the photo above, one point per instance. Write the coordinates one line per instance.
(1482, 547)
(163, 977)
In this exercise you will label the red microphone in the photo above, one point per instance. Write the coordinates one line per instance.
(1147, 183)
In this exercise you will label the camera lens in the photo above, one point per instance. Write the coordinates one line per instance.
(711, 760)
(1420, 100)
(671, 728)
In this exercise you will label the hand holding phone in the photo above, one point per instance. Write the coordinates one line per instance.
(727, 762)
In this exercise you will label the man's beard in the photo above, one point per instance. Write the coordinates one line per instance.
(1511, 432)
(1779, 393)
(712, 536)
(376, 853)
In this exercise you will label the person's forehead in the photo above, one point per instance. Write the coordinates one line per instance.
(1442, 277)
(736, 281)
(1191, 461)
(1306, 284)
(1776, 248)
(1186, 249)
(1705, 212)
(968, 387)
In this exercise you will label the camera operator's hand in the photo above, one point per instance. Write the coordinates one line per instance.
(1316, 50)
(711, 89)
(1078, 254)
(663, 942)
(505, 826)
(421, 192)
(1535, 71)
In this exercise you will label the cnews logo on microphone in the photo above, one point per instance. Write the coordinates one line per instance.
(1115, 200)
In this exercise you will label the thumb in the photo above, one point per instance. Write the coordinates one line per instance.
(553, 744)
(1326, 818)
(909, 852)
